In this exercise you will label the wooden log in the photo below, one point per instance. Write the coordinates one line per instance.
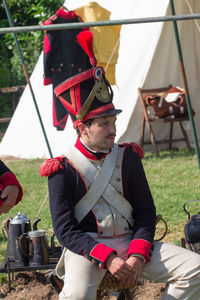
(11, 89)
(5, 120)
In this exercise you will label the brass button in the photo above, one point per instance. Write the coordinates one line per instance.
(79, 69)
(99, 221)
(118, 179)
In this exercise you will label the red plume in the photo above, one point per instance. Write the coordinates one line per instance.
(85, 40)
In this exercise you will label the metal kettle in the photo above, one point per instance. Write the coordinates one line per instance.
(16, 226)
(36, 247)
(192, 227)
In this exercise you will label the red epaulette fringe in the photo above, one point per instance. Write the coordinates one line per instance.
(50, 166)
(136, 148)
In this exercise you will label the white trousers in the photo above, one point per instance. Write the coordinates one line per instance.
(178, 267)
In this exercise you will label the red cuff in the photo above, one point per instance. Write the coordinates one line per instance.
(139, 247)
(101, 252)
(47, 81)
(10, 179)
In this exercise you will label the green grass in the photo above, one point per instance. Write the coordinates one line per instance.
(33, 204)
(174, 178)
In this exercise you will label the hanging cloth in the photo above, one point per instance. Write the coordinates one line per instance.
(105, 38)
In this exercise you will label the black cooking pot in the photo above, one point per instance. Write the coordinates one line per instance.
(192, 227)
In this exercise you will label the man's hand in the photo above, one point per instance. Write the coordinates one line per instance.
(9, 195)
(136, 264)
(121, 270)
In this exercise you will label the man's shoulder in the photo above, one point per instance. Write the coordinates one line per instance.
(134, 147)
(51, 166)
(3, 168)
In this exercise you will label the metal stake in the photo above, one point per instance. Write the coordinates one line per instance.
(183, 74)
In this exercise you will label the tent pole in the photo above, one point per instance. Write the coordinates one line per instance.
(97, 23)
(185, 84)
(26, 76)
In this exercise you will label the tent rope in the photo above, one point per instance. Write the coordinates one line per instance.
(42, 205)
(190, 8)
(113, 52)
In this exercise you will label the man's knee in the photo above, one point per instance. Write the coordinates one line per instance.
(78, 292)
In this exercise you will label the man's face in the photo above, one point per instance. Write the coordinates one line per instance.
(100, 135)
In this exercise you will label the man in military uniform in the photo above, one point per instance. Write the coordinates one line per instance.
(102, 209)
(10, 189)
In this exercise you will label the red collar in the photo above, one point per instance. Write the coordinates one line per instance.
(85, 152)
(66, 14)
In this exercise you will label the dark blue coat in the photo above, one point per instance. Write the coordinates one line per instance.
(66, 188)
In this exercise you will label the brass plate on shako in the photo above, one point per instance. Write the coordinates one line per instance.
(102, 92)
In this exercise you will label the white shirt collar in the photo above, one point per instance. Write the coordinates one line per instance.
(91, 150)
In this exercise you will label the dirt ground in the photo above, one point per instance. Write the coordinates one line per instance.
(36, 286)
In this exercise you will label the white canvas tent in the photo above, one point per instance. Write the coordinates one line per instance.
(147, 58)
